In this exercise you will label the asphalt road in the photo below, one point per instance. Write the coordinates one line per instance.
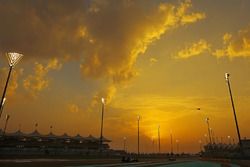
(107, 163)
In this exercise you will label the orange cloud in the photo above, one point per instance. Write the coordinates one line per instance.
(13, 83)
(73, 108)
(235, 45)
(194, 50)
(39, 81)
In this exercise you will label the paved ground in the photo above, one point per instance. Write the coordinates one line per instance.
(166, 164)
(106, 163)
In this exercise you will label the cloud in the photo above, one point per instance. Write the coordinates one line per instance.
(127, 35)
(194, 49)
(235, 45)
(13, 83)
(153, 61)
(105, 37)
(73, 108)
(39, 81)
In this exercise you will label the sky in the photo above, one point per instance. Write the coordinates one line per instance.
(159, 59)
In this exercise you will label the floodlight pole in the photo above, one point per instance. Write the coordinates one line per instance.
(159, 139)
(101, 136)
(5, 89)
(234, 112)
(124, 144)
(138, 137)
(6, 123)
(209, 131)
(13, 59)
(171, 138)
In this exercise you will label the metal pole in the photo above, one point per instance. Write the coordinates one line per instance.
(235, 117)
(209, 132)
(159, 140)
(138, 137)
(124, 144)
(101, 136)
(5, 89)
(177, 146)
(6, 123)
(200, 145)
(171, 143)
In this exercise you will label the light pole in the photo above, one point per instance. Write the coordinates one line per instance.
(153, 144)
(51, 129)
(6, 123)
(138, 136)
(229, 139)
(177, 146)
(13, 59)
(124, 143)
(159, 139)
(171, 137)
(101, 136)
(209, 132)
(234, 112)
(205, 135)
(2, 106)
(200, 142)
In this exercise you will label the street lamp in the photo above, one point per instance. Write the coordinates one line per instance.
(153, 144)
(205, 135)
(138, 136)
(159, 139)
(229, 139)
(2, 105)
(124, 143)
(209, 130)
(171, 137)
(200, 142)
(234, 112)
(6, 123)
(101, 136)
(13, 59)
(177, 146)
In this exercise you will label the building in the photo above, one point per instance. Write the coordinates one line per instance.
(35, 143)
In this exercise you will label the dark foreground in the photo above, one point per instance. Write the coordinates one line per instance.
(113, 163)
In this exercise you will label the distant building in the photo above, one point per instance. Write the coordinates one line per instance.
(38, 144)
(222, 150)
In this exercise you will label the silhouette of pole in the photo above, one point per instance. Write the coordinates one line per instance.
(200, 142)
(153, 144)
(177, 146)
(234, 112)
(229, 139)
(6, 123)
(138, 136)
(209, 131)
(159, 139)
(124, 143)
(2, 106)
(5, 89)
(13, 59)
(101, 136)
(171, 137)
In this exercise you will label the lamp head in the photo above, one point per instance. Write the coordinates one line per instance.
(7, 116)
(4, 99)
(103, 100)
(138, 117)
(13, 58)
(227, 76)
